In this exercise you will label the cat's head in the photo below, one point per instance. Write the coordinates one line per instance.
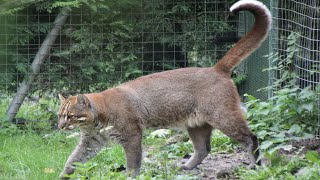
(75, 111)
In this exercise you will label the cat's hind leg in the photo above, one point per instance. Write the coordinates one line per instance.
(234, 125)
(200, 137)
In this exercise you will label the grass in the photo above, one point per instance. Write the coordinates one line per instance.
(39, 156)
(159, 162)
(31, 156)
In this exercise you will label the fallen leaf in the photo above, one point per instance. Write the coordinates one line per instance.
(48, 170)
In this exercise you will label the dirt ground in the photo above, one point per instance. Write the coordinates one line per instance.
(220, 165)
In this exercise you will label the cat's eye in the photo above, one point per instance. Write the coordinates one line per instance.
(71, 116)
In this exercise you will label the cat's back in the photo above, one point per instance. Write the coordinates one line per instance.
(180, 80)
(179, 85)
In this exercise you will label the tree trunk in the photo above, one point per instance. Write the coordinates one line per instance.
(36, 64)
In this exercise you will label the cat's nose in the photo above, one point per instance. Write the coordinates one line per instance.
(62, 124)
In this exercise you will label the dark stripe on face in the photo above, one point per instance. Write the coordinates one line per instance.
(64, 110)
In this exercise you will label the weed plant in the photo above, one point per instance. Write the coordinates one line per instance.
(291, 114)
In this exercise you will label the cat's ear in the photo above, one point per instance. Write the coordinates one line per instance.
(61, 97)
(83, 100)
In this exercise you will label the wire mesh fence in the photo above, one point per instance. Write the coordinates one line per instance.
(256, 62)
(128, 42)
(99, 48)
(296, 24)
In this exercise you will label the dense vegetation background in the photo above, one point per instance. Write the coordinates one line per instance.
(101, 46)
(107, 42)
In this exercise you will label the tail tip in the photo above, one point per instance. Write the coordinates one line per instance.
(247, 3)
(240, 3)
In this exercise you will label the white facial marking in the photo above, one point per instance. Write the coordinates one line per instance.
(106, 129)
(82, 119)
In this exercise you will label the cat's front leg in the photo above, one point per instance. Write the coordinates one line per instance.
(90, 144)
(131, 142)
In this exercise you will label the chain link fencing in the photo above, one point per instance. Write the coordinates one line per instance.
(100, 48)
(298, 21)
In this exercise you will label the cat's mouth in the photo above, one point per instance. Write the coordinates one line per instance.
(66, 126)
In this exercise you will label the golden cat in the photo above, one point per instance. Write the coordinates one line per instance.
(198, 99)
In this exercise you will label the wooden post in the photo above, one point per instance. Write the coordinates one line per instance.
(41, 55)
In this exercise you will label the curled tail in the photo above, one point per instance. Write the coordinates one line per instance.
(252, 40)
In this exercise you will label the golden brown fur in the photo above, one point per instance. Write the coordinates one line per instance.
(198, 99)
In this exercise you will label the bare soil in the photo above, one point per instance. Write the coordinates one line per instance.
(305, 145)
(220, 165)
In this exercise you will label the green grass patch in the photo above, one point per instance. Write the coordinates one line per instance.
(32, 156)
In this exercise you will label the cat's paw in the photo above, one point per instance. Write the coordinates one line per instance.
(64, 174)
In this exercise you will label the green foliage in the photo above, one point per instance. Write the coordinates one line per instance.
(105, 165)
(97, 48)
(8, 128)
(238, 77)
(93, 55)
(284, 64)
(159, 163)
(38, 115)
(221, 142)
(179, 149)
(190, 30)
(286, 106)
(291, 114)
(14, 6)
(286, 168)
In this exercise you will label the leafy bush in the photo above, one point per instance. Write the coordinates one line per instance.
(8, 128)
(286, 168)
(291, 113)
(37, 114)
